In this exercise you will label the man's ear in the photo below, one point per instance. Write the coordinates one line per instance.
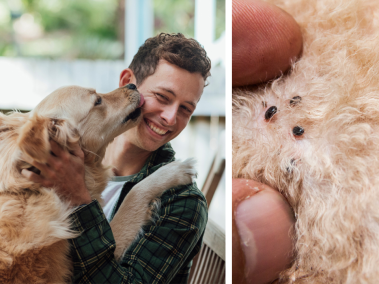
(34, 139)
(126, 77)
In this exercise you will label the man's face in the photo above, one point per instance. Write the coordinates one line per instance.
(171, 95)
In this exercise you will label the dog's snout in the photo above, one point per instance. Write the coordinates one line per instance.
(131, 86)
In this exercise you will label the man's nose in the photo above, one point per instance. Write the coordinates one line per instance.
(169, 115)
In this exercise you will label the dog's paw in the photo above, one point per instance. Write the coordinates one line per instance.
(179, 173)
(171, 175)
(186, 171)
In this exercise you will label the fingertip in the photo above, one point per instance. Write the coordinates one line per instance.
(56, 149)
(241, 189)
(245, 188)
(79, 152)
(264, 223)
(29, 175)
(76, 149)
(265, 39)
(24, 172)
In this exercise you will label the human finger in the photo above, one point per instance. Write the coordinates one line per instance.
(76, 150)
(41, 167)
(54, 161)
(262, 228)
(56, 149)
(241, 189)
(264, 41)
(36, 178)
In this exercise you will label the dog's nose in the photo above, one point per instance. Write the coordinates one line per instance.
(131, 86)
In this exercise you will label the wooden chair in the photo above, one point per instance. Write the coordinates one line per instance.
(208, 266)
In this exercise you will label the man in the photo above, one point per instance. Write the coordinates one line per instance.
(170, 71)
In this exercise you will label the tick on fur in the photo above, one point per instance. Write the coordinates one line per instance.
(270, 112)
(295, 100)
(293, 163)
(264, 104)
(298, 131)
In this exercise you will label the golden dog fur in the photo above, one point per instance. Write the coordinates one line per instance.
(34, 221)
(330, 174)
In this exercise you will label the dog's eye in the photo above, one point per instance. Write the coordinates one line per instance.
(98, 101)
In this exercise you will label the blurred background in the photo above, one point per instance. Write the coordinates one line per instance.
(46, 44)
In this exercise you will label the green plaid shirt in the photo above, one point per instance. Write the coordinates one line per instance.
(162, 255)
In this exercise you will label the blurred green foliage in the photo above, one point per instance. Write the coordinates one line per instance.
(220, 17)
(175, 16)
(91, 29)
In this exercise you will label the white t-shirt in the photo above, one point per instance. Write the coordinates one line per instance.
(112, 192)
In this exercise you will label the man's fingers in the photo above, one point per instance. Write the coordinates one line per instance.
(264, 41)
(35, 178)
(64, 154)
(41, 167)
(76, 150)
(56, 149)
(46, 172)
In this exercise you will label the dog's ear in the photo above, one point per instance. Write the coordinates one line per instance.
(34, 138)
(62, 132)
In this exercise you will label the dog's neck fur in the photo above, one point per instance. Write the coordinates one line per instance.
(96, 175)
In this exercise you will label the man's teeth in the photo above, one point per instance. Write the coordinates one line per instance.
(156, 129)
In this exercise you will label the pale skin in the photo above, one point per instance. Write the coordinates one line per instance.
(265, 40)
(171, 95)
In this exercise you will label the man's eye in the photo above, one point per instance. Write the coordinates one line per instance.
(161, 96)
(98, 101)
(186, 109)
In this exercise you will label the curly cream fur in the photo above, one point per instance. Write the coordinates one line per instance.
(330, 175)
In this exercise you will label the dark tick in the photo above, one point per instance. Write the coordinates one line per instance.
(270, 112)
(298, 131)
(295, 100)
(293, 164)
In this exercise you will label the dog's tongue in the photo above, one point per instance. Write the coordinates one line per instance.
(141, 100)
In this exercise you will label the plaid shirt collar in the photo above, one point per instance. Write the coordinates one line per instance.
(164, 155)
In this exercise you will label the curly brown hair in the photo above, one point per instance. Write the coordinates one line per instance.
(183, 52)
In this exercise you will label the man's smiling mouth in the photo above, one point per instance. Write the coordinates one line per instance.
(155, 128)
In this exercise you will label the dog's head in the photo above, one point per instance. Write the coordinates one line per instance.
(73, 113)
(67, 115)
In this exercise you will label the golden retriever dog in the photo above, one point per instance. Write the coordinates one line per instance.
(313, 134)
(34, 221)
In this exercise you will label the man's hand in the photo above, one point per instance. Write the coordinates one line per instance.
(64, 172)
(265, 40)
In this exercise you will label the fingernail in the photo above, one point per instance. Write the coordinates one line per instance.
(248, 245)
(264, 223)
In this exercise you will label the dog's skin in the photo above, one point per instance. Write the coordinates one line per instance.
(34, 223)
(330, 172)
